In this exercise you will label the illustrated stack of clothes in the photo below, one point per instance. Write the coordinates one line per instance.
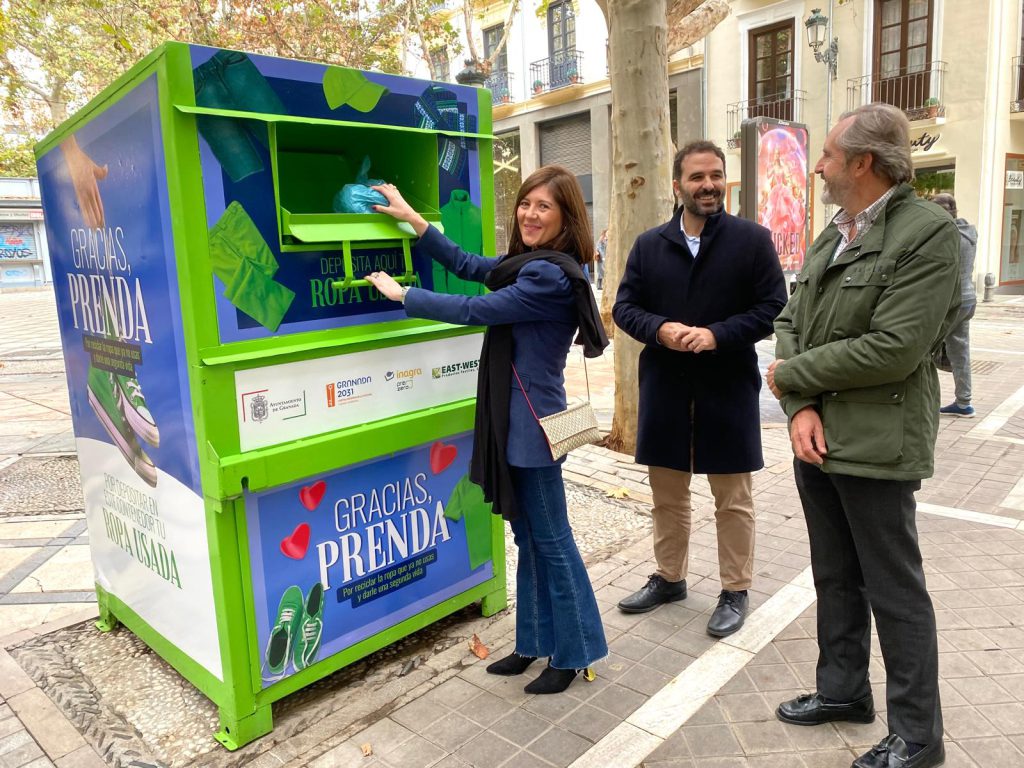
(437, 108)
(243, 261)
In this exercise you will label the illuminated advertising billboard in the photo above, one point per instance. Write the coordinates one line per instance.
(775, 184)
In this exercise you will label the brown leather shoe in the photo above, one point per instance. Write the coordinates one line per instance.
(812, 709)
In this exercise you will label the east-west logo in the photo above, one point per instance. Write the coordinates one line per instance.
(455, 369)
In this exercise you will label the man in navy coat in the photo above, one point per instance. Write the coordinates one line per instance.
(699, 291)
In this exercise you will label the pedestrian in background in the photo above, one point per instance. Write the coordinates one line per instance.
(699, 291)
(853, 369)
(599, 256)
(958, 340)
(539, 297)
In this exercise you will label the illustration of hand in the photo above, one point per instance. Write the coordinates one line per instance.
(84, 176)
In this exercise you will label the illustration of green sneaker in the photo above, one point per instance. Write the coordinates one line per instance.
(129, 393)
(133, 402)
(104, 401)
(283, 633)
(307, 644)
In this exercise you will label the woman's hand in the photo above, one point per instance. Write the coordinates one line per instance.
(386, 284)
(400, 209)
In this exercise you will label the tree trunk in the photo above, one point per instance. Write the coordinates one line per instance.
(641, 171)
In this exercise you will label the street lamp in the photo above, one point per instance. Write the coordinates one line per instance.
(817, 33)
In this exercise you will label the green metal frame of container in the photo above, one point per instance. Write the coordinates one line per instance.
(229, 474)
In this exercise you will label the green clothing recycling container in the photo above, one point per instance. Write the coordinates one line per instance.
(274, 457)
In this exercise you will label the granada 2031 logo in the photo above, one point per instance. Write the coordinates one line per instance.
(347, 390)
(455, 369)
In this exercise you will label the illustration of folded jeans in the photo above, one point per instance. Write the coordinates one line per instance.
(229, 80)
(243, 261)
(257, 294)
(234, 238)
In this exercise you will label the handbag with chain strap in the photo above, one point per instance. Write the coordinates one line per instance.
(569, 429)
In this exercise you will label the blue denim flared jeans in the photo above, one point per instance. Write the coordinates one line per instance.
(556, 612)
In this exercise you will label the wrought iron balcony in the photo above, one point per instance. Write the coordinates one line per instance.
(779, 106)
(1017, 85)
(556, 71)
(915, 90)
(499, 83)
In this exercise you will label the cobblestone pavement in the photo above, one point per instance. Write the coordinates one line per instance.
(668, 695)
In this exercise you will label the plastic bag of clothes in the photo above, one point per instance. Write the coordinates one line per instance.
(358, 197)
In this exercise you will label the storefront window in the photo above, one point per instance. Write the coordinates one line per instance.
(19, 256)
(17, 241)
(1011, 258)
(507, 178)
(929, 182)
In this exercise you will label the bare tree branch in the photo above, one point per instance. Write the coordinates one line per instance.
(696, 25)
(489, 62)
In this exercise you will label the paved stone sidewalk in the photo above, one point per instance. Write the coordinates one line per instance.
(668, 695)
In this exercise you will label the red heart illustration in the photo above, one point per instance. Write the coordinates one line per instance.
(312, 495)
(441, 456)
(295, 546)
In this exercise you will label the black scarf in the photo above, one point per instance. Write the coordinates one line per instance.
(489, 466)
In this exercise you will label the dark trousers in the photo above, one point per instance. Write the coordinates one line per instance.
(866, 559)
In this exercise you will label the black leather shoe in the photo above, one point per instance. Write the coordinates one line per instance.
(513, 664)
(891, 752)
(551, 680)
(654, 593)
(729, 615)
(811, 709)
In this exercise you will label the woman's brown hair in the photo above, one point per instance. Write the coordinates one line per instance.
(576, 238)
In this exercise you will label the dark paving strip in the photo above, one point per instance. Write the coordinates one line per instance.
(37, 559)
(15, 543)
(34, 561)
(41, 598)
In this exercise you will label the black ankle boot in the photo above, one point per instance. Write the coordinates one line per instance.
(552, 680)
(513, 664)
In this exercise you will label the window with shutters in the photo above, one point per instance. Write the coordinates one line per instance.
(492, 37)
(561, 43)
(770, 78)
(903, 52)
(1019, 97)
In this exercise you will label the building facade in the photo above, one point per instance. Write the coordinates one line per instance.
(954, 67)
(552, 100)
(24, 259)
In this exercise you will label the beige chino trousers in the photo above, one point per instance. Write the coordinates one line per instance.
(734, 515)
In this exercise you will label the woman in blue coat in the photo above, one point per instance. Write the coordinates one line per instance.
(539, 298)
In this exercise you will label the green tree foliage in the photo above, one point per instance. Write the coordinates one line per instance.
(16, 158)
(55, 55)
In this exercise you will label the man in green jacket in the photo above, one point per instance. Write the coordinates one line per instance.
(854, 374)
